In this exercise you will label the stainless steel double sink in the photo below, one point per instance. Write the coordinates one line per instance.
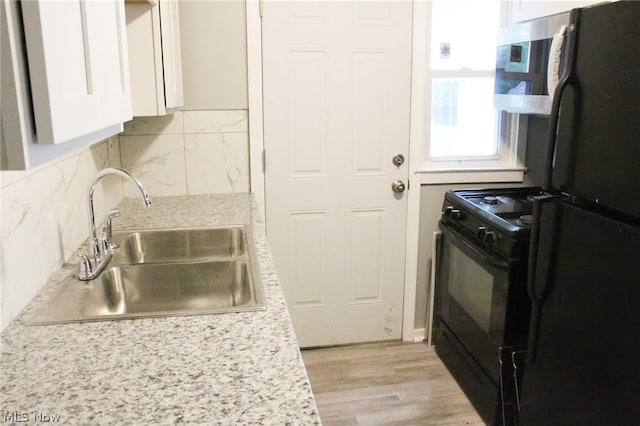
(164, 272)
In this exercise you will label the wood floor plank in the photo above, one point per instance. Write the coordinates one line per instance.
(391, 383)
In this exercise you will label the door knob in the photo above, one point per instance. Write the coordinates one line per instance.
(398, 186)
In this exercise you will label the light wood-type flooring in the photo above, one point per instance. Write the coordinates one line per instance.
(393, 383)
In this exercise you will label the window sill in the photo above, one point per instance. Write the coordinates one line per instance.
(447, 176)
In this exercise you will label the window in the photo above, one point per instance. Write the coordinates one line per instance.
(444, 104)
(464, 131)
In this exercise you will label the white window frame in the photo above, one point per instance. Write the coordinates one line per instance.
(508, 166)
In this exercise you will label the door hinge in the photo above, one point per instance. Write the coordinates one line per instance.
(260, 7)
(264, 161)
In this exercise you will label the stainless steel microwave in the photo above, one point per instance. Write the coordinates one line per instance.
(528, 64)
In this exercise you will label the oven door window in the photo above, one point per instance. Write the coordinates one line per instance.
(471, 288)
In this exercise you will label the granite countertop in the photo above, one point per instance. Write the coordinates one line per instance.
(234, 368)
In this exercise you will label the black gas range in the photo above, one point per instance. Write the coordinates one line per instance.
(482, 307)
(497, 219)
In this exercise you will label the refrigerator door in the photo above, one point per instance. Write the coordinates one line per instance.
(583, 360)
(597, 152)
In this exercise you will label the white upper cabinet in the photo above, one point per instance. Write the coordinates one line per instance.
(523, 10)
(64, 78)
(155, 62)
(78, 68)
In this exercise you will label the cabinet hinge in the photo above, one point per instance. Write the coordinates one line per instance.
(264, 161)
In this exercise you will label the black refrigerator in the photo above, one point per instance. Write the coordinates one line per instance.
(583, 356)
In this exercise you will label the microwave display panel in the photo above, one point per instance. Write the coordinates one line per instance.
(521, 68)
(513, 57)
(516, 54)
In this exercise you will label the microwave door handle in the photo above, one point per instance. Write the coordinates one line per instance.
(553, 67)
(565, 81)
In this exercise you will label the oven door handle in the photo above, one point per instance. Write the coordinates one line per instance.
(492, 260)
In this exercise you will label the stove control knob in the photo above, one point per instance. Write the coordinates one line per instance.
(482, 232)
(453, 213)
(490, 237)
(490, 199)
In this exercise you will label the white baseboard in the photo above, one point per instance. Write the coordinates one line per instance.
(419, 335)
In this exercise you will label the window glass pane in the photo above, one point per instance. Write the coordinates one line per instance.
(463, 120)
(463, 34)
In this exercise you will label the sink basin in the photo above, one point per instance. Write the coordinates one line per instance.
(177, 245)
(193, 288)
(164, 272)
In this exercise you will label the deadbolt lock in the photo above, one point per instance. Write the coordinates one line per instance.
(398, 160)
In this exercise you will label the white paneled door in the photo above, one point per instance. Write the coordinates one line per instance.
(336, 112)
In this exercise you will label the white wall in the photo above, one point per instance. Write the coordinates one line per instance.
(214, 54)
(45, 219)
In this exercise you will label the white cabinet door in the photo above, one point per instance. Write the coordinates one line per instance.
(523, 10)
(15, 129)
(154, 57)
(78, 69)
(171, 57)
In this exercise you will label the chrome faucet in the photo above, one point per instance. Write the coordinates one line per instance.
(100, 253)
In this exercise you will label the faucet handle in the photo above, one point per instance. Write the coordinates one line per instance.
(86, 269)
(110, 215)
(107, 231)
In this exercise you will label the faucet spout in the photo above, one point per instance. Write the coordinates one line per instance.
(118, 172)
(95, 254)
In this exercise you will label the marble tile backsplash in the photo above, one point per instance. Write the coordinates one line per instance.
(45, 218)
(157, 161)
(188, 153)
